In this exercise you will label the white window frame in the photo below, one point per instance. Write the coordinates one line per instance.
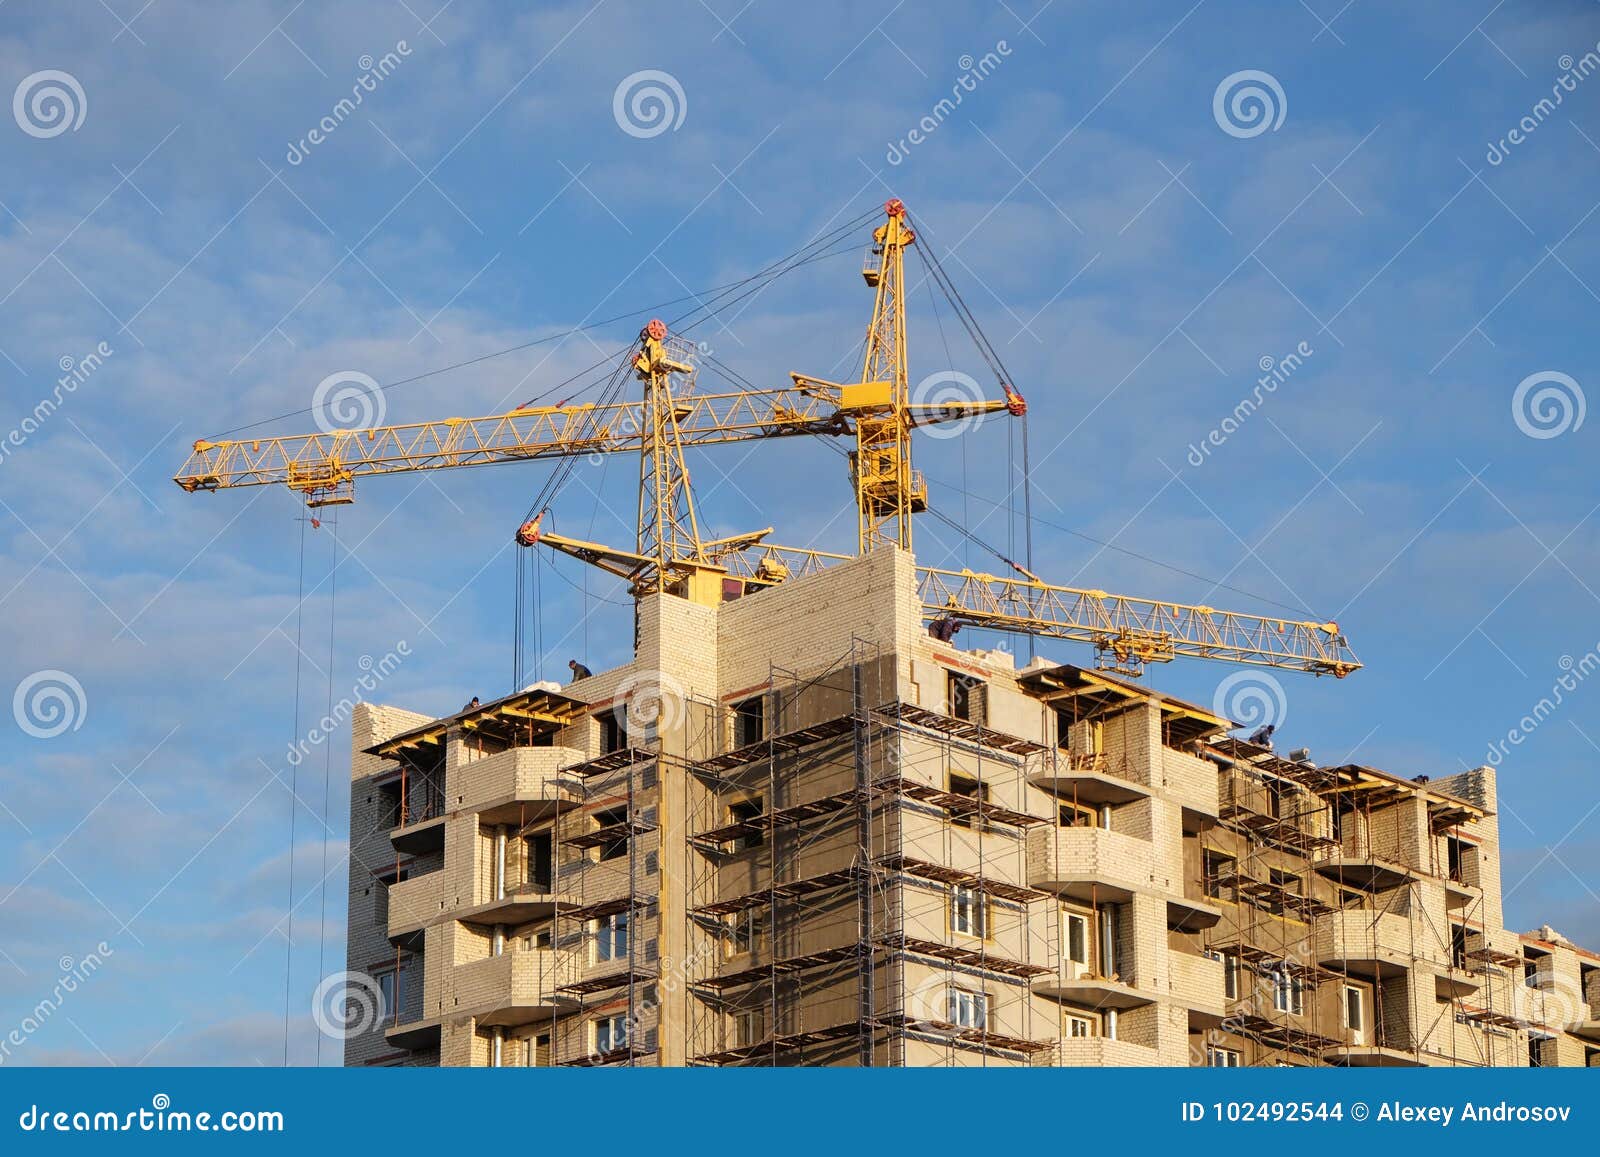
(1357, 1024)
(610, 1033)
(969, 912)
(966, 1008)
(1076, 1027)
(1077, 966)
(1221, 1058)
(611, 937)
(1288, 993)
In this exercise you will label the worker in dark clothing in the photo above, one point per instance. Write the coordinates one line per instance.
(579, 671)
(473, 705)
(943, 628)
(1262, 736)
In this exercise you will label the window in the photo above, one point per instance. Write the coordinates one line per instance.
(1288, 992)
(614, 729)
(1355, 1013)
(1275, 794)
(749, 720)
(611, 937)
(1458, 946)
(1530, 974)
(969, 911)
(1230, 972)
(1288, 881)
(964, 695)
(1077, 1026)
(966, 1008)
(1063, 729)
(539, 861)
(746, 931)
(538, 1051)
(1215, 868)
(391, 991)
(610, 1034)
(1077, 816)
(1539, 1054)
(750, 1026)
(1219, 1058)
(614, 821)
(1076, 935)
(973, 789)
(743, 812)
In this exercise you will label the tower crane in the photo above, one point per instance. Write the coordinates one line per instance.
(669, 554)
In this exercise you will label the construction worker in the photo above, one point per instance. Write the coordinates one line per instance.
(471, 706)
(1262, 737)
(943, 628)
(579, 671)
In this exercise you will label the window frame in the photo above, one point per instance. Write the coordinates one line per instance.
(611, 937)
(968, 912)
(966, 1008)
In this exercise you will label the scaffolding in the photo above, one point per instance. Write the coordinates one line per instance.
(813, 878)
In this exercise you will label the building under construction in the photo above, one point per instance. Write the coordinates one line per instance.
(897, 852)
(803, 827)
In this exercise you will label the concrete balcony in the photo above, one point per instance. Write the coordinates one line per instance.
(1196, 982)
(1087, 780)
(512, 786)
(1374, 1055)
(415, 903)
(513, 988)
(1097, 1052)
(1361, 861)
(1089, 864)
(521, 904)
(1370, 944)
(1094, 992)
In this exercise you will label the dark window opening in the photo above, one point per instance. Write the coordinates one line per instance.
(743, 812)
(749, 721)
(975, 790)
(964, 696)
(613, 730)
(613, 818)
(541, 861)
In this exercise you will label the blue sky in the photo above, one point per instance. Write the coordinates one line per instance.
(1132, 259)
